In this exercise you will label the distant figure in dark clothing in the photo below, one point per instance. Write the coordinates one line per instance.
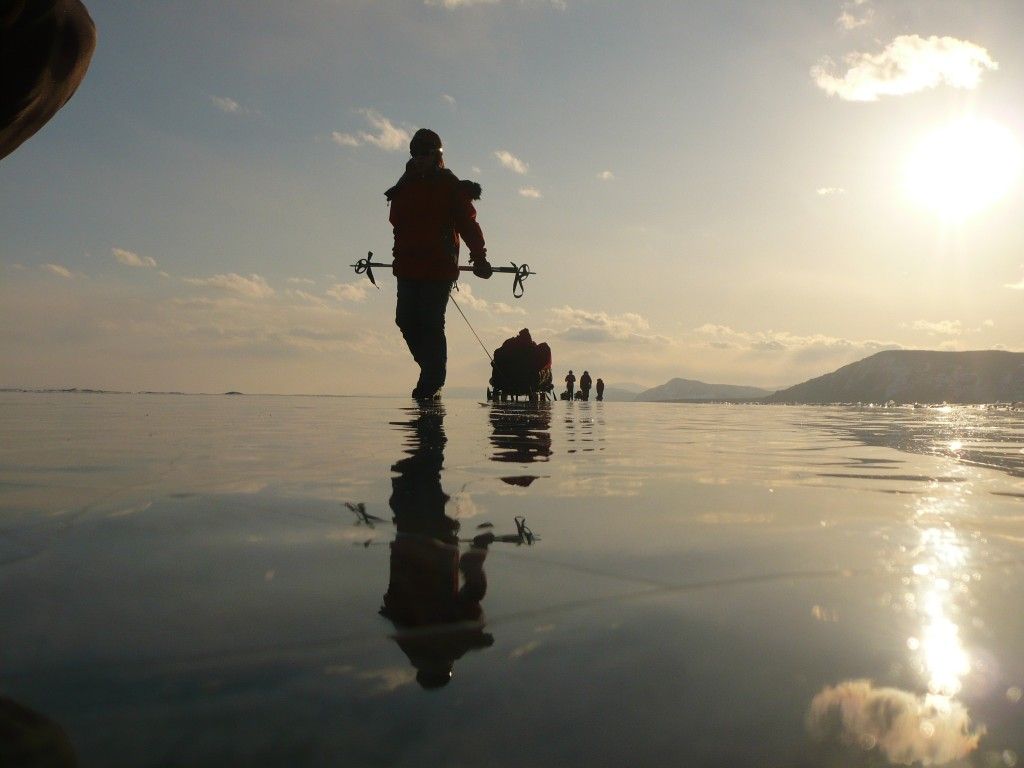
(585, 382)
(45, 49)
(424, 600)
(570, 383)
(430, 210)
(600, 389)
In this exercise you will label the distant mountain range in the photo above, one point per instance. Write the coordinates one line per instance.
(689, 389)
(916, 376)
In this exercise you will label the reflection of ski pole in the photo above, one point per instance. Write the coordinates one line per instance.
(521, 272)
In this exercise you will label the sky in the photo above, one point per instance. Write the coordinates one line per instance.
(736, 192)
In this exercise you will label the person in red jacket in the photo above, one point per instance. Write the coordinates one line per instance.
(430, 210)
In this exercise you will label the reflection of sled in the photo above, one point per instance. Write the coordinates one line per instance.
(521, 368)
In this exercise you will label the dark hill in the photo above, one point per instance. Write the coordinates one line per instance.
(917, 376)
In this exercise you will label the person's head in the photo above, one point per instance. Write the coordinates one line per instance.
(586, 373)
(426, 149)
(525, 333)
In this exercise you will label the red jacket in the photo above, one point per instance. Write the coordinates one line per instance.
(429, 213)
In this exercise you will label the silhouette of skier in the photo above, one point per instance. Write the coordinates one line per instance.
(431, 209)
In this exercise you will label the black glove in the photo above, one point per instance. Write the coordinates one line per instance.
(481, 266)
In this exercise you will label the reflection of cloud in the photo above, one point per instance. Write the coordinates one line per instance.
(387, 679)
(906, 728)
(525, 648)
(254, 286)
(510, 161)
(910, 63)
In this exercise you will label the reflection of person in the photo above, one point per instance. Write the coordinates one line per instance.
(430, 210)
(570, 382)
(585, 382)
(600, 389)
(438, 621)
(45, 49)
(521, 436)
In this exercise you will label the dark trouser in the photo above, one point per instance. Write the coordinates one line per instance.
(420, 315)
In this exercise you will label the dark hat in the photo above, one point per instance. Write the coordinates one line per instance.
(424, 141)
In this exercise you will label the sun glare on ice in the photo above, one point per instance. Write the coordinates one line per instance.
(964, 167)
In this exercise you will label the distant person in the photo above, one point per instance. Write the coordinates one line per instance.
(570, 383)
(585, 382)
(45, 49)
(600, 389)
(430, 210)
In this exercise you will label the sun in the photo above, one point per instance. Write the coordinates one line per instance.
(963, 168)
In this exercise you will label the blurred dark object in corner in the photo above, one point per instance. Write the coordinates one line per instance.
(45, 49)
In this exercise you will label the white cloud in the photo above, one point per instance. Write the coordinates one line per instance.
(531, 192)
(829, 191)
(344, 139)
(909, 64)
(465, 295)
(228, 105)
(448, 99)
(459, 3)
(254, 286)
(990, 323)
(1018, 286)
(387, 135)
(807, 348)
(510, 161)
(606, 176)
(347, 291)
(593, 327)
(941, 327)
(856, 13)
(906, 728)
(132, 259)
(58, 270)
(301, 281)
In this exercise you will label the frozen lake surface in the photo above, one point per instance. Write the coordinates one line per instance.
(191, 580)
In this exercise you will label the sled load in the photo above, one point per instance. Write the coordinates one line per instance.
(521, 367)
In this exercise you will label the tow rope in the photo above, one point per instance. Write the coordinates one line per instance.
(521, 272)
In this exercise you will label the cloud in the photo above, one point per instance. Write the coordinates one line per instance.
(805, 348)
(510, 161)
(941, 327)
(906, 728)
(386, 135)
(344, 139)
(301, 281)
(58, 270)
(597, 327)
(909, 64)
(253, 287)
(606, 176)
(1018, 286)
(829, 191)
(228, 105)
(466, 296)
(459, 3)
(531, 192)
(449, 100)
(856, 13)
(132, 259)
(347, 291)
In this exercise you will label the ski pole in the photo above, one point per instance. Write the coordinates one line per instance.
(521, 272)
